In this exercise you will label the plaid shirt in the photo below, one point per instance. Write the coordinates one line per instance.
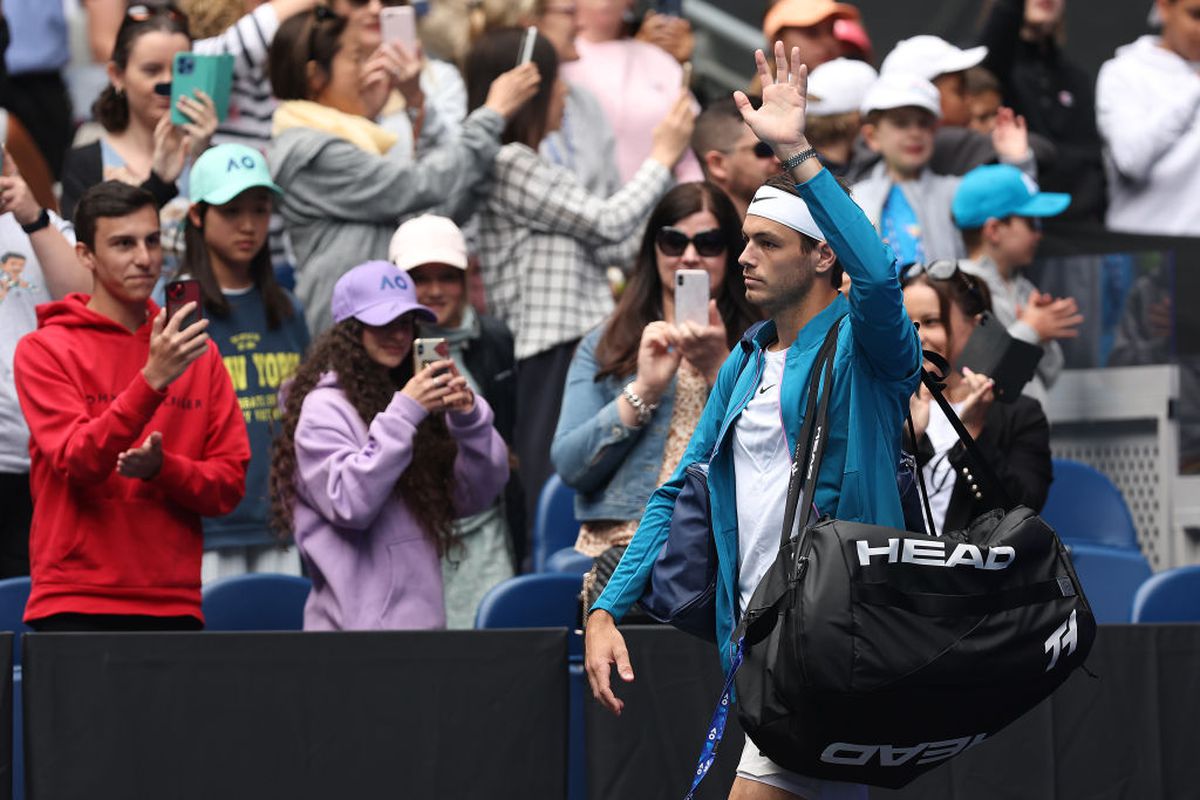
(544, 245)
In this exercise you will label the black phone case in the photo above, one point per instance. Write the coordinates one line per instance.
(1009, 362)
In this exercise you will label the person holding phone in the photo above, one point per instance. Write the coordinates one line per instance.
(433, 252)
(343, 186)
(637, 383)
(947, 304)
(135, 434)
(140, 145)
(545, 242)
(375, 462)
(259, 330)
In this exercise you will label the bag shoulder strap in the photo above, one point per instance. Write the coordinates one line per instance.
(935, 385)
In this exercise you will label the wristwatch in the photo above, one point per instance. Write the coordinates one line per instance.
(42, 221)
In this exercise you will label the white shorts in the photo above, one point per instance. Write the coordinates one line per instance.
(756, 767)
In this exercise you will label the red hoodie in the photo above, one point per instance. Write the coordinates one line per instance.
(102, 543)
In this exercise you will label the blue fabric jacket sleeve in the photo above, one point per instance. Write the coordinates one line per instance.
(628, 581)
(883, 333)
(590, 442)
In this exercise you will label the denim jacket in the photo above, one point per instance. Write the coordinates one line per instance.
(612, 467)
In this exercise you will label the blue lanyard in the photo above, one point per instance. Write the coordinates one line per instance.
(716, 729)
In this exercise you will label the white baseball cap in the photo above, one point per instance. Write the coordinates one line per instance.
(929, 57)
(898, 90)
(428, 239)
(839, 86)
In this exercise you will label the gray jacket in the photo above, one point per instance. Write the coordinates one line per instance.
(341, 205)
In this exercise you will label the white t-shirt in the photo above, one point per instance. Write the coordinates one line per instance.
(761, 466)
(939, 472)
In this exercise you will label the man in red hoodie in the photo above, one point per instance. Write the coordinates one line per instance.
(135, 433)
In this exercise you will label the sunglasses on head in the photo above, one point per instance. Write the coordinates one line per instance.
(673, 242)
(944, 270)
(385, 3)
(144, 13)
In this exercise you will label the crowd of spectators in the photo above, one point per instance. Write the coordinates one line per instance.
(530, 213)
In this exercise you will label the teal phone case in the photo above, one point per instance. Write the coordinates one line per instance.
(212, 75)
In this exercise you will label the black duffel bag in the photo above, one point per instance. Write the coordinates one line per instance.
(873, 655)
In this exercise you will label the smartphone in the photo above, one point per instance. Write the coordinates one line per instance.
(1009, 362)
(181, 292)
(212, 75)
(691, 297)
(427, 351)
(672, 8)
(398, 25)
(527, 45)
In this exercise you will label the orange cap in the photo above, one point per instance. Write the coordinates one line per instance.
(803, 14)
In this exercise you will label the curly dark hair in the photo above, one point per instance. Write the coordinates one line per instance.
(427, 486)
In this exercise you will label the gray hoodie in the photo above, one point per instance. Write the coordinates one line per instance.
(341, 205)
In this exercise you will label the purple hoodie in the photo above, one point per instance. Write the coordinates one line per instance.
(371, 563)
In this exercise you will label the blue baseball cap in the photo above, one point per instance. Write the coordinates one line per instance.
(376, 293)
(223, 172)
(996, 191)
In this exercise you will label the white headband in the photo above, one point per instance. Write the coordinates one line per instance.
(786, 209)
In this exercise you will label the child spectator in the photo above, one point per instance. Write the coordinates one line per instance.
(984, 98)
(135, 433)
(1148, 109)
(259, 330)
(836, 90)
(999, 211)
(908, 202)
(956, 149)
(1040, 82)
(434, 254)
(545, 242)
(732, 156)
(375, 463)
(343, 187)
(37, 265)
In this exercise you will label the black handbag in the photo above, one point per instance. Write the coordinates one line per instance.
(873, 655)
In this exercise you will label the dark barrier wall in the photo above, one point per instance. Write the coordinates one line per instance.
(475, 714)
(1130, 732)
(6, 709)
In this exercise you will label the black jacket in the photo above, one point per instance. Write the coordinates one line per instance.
(491, 360)
(83, 168)
(1015, 441)
(1058, 101)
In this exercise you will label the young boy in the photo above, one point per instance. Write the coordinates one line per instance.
(836, 90)
(999, 211)
(135, 433)
(908, 203)
(984, 98)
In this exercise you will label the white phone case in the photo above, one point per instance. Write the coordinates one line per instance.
(691, 297)
(398, 24)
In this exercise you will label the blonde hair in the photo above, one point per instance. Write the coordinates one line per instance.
(208, 18)
(452, 26)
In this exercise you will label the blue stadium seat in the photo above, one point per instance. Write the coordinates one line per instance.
(1170, 596)
(548, 600)
(569, 560)
(1085, 507)
(256, 602)
(1110, 577)
(555, 526)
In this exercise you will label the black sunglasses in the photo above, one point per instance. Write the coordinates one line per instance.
(673, 242)
(386, 3)
(144, 13)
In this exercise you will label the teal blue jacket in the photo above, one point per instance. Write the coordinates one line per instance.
(876, 370)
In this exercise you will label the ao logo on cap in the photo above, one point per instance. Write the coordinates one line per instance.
(395, 283)
(245, 162)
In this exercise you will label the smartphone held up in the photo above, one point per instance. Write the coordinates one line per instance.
(398, 25)
(691, 297)
(427, 351)
(181, 292)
